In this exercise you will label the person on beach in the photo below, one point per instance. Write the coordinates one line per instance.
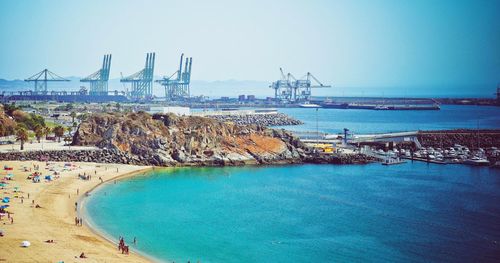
(135, 241)
(83, 255)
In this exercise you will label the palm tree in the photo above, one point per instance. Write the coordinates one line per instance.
(22, 135)
(75, 125)
(39, 131)
(73, 116)
(46, 131)
(59, 132)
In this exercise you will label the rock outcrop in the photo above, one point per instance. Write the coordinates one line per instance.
(168, 140)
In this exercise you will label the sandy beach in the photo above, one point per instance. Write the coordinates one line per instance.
(55, 219)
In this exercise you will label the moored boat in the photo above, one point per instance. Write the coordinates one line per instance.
(477, 161)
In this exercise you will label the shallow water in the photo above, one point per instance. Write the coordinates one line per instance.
(414, 212)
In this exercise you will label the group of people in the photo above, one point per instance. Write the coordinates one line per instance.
(122, 247)
(78, 221)
(85, 176)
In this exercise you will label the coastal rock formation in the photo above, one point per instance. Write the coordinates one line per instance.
(97, 156)
(173, 140)
(7, 123)
(470, 138)
(266, 120)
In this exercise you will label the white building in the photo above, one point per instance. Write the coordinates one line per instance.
(170, 109)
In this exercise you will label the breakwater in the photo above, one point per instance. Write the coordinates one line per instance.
(119, 157)
(470, 138)
(274, 119)
(97, 156)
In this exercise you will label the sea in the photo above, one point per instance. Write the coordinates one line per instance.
(413, 212)
(381, 121)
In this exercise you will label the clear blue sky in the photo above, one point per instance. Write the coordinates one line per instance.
(344, 43)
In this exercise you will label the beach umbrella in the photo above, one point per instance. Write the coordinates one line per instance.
(25, 243)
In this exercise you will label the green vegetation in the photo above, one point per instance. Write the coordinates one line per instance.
(66, 107)
(59, 132)
(39, 131)
(22, 135)
(73, 116)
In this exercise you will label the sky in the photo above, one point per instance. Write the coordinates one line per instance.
(412, 44)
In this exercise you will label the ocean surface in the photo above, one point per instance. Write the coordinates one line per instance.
(372, 121)
(414, 212)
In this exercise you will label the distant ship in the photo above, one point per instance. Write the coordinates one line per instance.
(309, 105)
(333, 105)
(407, 107)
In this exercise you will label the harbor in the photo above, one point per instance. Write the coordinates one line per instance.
(249, 131)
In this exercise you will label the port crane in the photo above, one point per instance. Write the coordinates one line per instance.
(99, 79)
(41, 78)
(290, 89)
(177, 85)
(142, 81)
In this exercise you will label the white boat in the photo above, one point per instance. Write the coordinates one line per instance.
(391, 161)
(309, 105)
(477, 161)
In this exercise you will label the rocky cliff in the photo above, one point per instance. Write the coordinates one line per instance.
(173, 140)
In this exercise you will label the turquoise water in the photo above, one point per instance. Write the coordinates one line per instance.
(372, 121)
(413, 212)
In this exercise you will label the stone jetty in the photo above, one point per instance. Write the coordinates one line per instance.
(266, 120)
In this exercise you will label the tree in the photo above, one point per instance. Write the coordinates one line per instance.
(39, 131)
(73, 116)
(22, 135)
(47, 130)
(59, 132)
(82, 117)
(118, 106)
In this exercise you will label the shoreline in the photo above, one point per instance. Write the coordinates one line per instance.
(90, 224)
(55, 219)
